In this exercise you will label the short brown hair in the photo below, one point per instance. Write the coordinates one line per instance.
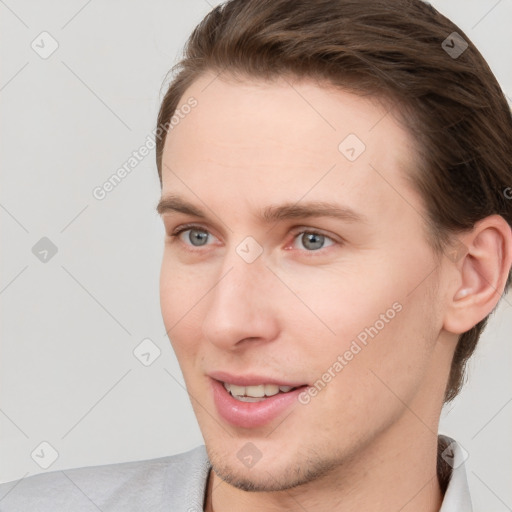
(391, 50)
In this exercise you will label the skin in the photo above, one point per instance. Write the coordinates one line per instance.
(368, 440)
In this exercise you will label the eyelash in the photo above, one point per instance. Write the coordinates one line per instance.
(187, 227)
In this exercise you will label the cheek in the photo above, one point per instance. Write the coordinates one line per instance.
(181, 291)
(342, 303)
(181, 286)
(363, 385)
(372, 319)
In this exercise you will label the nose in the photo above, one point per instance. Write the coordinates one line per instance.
(241, 307)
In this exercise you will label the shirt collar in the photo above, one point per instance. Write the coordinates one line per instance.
(457, 497)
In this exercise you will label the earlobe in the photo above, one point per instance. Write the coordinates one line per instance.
(480, 275)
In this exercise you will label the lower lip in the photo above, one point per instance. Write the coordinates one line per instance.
(251, 414)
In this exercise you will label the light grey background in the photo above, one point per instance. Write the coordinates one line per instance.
(69, 326)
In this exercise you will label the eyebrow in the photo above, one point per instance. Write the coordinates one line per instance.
(272, 213)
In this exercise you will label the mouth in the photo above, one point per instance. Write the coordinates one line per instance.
(256, 393)
(252, 401)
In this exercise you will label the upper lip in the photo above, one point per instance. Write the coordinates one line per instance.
(250, 379)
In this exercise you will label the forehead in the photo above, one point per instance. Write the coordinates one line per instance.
(284, 140)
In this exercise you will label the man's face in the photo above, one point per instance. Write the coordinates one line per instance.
(253, 302)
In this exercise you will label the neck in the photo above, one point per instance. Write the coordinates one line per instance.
(397, 471)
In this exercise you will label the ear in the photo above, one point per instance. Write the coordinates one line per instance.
(481, 263)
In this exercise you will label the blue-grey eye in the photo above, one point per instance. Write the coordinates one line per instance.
(313, 241)
(197, 235)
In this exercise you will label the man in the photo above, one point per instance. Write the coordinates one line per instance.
(337, 233)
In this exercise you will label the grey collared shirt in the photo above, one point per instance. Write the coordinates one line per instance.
(175, 483)
(456, 497)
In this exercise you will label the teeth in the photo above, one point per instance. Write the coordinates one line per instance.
(237, 390)
(271, 389)
(248, 399)
(255, 393)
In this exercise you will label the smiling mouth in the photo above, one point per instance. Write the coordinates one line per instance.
(256, 393)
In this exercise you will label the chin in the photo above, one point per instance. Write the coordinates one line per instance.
(277, 474)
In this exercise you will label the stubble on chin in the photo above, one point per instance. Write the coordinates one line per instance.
(263, 479)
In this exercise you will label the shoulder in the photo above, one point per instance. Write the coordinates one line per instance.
(154, 484)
